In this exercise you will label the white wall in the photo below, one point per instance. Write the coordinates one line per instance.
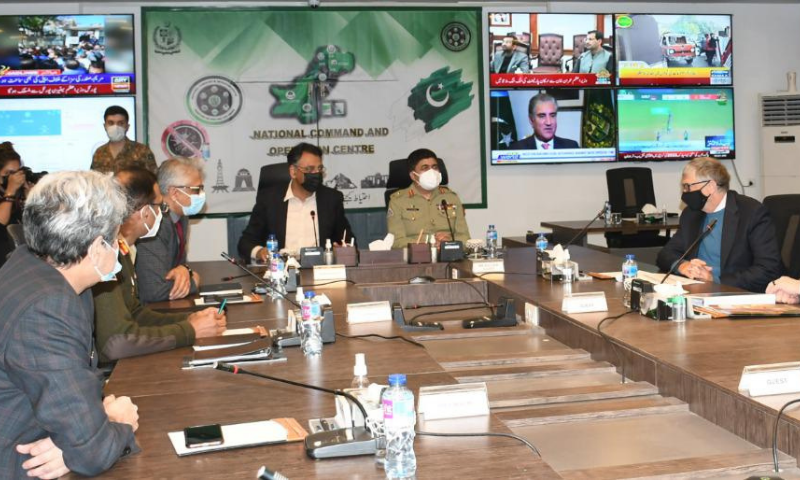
(520, 197)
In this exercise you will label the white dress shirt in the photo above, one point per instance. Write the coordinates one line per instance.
(299, 228)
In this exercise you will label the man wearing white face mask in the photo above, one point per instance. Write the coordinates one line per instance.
(120, 152)
(123, 326)
(418, 208)
(161, 261)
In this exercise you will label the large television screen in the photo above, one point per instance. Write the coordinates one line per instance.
(55, 134)
(61, 55)
(550, 50)
(675, 124)
(668, 50)
(552, 126)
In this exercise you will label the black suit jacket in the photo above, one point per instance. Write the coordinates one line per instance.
(749, 257)
(530, 143)
(269, 216)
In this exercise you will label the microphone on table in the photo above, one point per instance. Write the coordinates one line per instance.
(258, 278)
(445, 206)
(699, 238)
(233, 277)
(314, 224)
(585, 228)
(342, 442)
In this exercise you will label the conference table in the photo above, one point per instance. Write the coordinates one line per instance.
(566, 230)
(552, 379)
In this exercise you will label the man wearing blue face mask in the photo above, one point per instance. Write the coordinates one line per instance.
(741, 249)
(123, 326)
(161, 260)
(418, 208)
(293, 212)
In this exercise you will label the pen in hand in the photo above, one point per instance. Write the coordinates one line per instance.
(222, 306)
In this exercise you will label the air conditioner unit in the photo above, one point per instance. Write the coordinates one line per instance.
(780, 142)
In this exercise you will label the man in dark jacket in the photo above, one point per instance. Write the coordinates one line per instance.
(740, 250)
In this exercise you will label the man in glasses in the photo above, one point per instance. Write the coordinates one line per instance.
(293, 213)
(123, 327)
(161, 259)
(741, 249)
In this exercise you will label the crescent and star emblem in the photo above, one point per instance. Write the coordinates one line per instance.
(435, 103)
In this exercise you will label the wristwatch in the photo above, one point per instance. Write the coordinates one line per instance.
(187, 267)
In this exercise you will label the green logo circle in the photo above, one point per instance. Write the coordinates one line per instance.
(624, 21)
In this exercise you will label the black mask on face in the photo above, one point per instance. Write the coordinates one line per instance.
(312, 181)
(694, 200)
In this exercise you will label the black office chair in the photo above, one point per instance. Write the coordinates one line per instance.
(272, 175)
(629, 189)
(399, 178)
(785, 213)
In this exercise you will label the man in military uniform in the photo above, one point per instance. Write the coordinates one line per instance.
(419, 208)
(120, 152)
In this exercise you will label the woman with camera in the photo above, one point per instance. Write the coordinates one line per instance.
(13, 189)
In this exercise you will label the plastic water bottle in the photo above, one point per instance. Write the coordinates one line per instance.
(272, 244)
(629, 270)
(276, 267)
(491, 242)
(310, 330)
(399, 419)
(607, 213)
(360, 379)
(541, 242)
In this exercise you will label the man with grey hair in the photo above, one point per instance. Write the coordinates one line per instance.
(161, 261)
(53, 417)
(741, 249)
(542, 113)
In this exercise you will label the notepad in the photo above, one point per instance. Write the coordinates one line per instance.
(243, 435)
(209, 301)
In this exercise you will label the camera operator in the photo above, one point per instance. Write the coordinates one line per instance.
(13, 189)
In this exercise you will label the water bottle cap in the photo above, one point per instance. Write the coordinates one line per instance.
(630, 256)
(309, 294)
(397, 379)
(271, 236)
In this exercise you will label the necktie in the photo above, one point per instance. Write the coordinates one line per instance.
(546, 146)
(181, 242)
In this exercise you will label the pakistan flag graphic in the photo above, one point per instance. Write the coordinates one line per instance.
(439, 97)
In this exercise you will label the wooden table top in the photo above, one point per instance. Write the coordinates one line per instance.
(599, 226)
(170, 398)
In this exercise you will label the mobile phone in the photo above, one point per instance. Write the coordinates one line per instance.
(203, 436)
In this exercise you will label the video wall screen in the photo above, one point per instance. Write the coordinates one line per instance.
(675, 124)
(66, 55)
(674, 50)
(54, 134)
(550, 50)
(552, 126)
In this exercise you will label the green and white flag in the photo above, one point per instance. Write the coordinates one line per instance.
(439, 97)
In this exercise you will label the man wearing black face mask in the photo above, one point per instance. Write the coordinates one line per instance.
(740, 251)
(286, 211)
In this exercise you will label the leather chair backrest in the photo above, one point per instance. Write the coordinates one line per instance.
(551, 49)
(785, 213)
(578, 46)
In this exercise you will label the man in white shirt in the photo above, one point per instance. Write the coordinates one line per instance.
(304, 214)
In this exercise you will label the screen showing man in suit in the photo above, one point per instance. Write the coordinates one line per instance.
(304, 213)
(564, 125)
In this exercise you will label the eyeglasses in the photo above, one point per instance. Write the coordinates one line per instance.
(194, 190)
(161, 206)
(688, 186)
(317, 169)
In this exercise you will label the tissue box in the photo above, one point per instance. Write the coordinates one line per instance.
(419, 253)
(346, 256)
(380, 257)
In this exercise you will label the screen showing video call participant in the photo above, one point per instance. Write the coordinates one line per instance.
(543, 113)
